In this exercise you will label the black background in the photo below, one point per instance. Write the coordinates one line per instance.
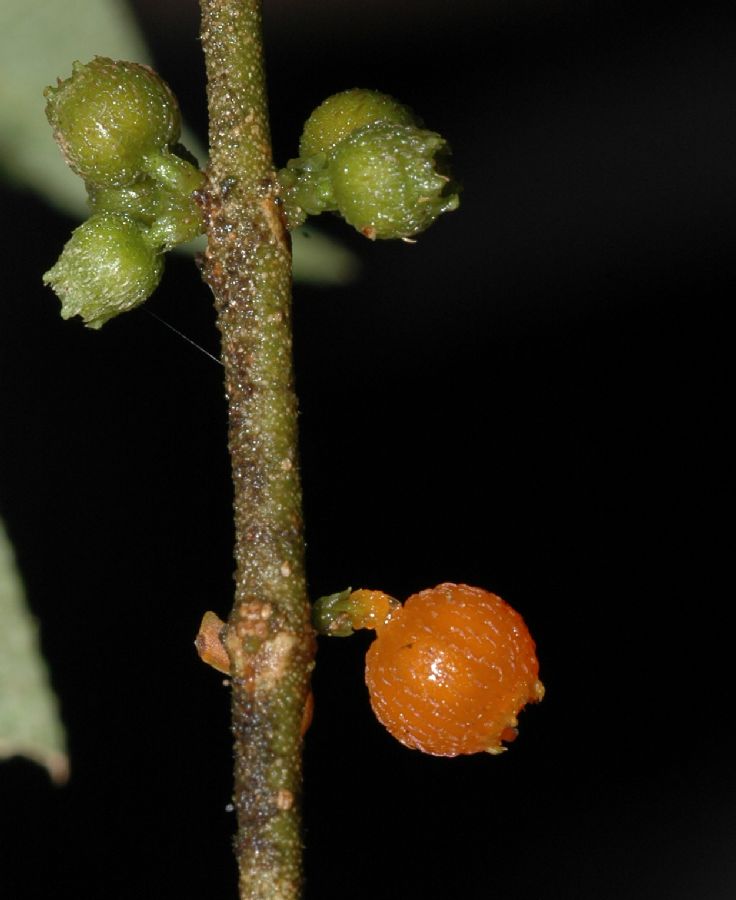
(533, 399)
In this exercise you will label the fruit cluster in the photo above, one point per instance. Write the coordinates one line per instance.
(117, 124)
(365, 156)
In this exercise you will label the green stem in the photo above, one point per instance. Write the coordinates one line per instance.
(268, 637)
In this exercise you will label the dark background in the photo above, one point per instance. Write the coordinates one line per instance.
(532, 399)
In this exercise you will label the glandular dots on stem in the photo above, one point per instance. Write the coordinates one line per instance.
(367, 157)
(117, 124)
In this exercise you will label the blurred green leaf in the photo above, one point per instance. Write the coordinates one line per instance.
(319, 259)
(29, 718)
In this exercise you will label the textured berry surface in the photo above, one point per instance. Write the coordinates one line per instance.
(108, 116)
(107, 267)
(341, 114)
(386, 180)
(449, 673)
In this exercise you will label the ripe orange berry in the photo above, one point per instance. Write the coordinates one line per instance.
(449, 672)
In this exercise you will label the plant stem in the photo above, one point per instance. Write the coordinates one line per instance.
(268, 636)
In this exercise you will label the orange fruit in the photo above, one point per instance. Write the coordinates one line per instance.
(450, 671)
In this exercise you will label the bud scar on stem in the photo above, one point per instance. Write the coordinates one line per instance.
(210, 646)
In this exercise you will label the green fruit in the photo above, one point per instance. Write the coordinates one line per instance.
(364, 155)
(109, 116)
(107, 267)
(343, 113)
(389, 180)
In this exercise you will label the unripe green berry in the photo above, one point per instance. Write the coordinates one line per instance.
(107, 267)
(108, 116)
(389, 180)
(343, 113)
